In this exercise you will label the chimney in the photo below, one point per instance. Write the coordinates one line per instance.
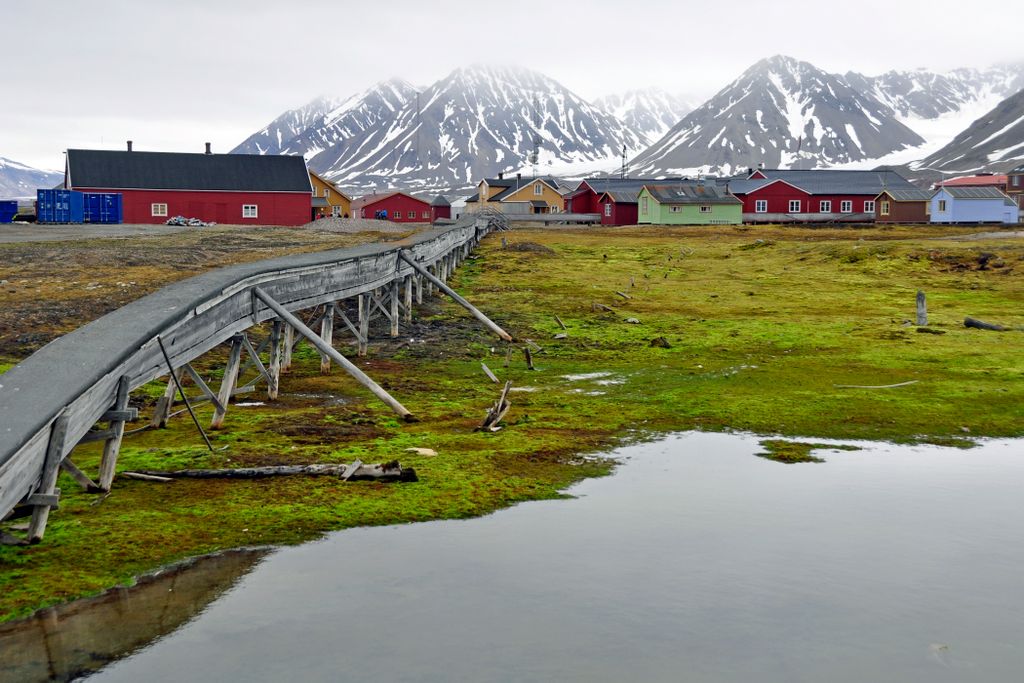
(760, 166)
(208, 148)
(501, 175)
(129, 145)
(519, 177)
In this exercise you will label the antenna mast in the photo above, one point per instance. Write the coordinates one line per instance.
(622, 172)
(535, 154)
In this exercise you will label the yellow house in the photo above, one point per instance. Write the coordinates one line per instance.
(517, 195)
(328, 200)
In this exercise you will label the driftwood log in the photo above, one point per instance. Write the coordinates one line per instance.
(497, 411)
(384, 472)
(982, 325)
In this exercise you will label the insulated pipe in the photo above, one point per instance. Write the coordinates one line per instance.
(408, 258)
(330, 351)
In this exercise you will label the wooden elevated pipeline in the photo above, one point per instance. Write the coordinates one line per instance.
(84, 376)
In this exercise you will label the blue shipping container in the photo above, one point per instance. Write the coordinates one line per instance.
(104, 207)
(60, 206)
(8, 209)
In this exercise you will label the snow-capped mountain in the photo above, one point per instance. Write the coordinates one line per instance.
(650, 112)
(473, 123)
(20, 181)
(783, 113)
(275, 137)
(995, 142)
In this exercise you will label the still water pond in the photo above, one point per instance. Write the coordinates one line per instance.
(695, 561)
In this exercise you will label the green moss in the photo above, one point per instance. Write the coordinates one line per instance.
(791, 452)
(760, 338)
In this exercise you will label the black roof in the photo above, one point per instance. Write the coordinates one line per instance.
(180, 171)
(691, 193)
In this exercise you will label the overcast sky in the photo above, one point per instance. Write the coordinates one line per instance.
(171, 75)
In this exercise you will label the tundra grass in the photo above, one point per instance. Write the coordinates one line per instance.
(766, 328)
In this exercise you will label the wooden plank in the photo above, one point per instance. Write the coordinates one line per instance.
(327, 335)
(78, 475)
(254, 356)
(205, 388)
(286, 351)
(227, 384)
(408, 258)
(163, 404)
(48, 480)
(100, 435)
(345, 363)
(348, 323)
(922, 309)
(44, 500)
(112, 447)
(128, 415)
(351, 470)
(276, 334)
(393, 313)
(364, 323)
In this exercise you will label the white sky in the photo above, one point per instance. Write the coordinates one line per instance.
(172, 75)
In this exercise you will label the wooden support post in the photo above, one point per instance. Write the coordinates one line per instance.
(364, 323)
(48, 481)
(203, 386)
(430, 284)
(407, 294)
(410, 259)
(286, 350)
(393, 314)
(227, 384)
(78, 475)
(165, 402)
(113, 445)
(274, 385)
(922, 309)
(345, 363)
(327, 334)
(419, 288)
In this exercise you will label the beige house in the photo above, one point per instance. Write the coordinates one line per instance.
(517, 195)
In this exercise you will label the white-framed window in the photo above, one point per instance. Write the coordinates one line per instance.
(676, 209)
(538, 189)
(942, 206)
(426, 214)
(869, 206)
(760, 206)
(250, 211)
(825, 206)
(1016, 181)
(884, 208)
(159, 209)
(643, 206)
(705, 209)
(327, 193)
(411, 215)
(608, 209)
(794, 205)
(846, 206)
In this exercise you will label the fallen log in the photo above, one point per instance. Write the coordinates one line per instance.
(875, 386)
(982, 325)
(497, 411)
(383, 472)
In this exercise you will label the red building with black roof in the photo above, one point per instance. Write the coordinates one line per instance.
(393, 206)
(239, 189)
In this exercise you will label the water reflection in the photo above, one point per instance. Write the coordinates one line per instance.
(72, 640)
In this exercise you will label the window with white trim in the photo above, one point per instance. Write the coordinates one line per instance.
(608, 209)
(426, 214)
(643, 206)
(250, 211)
(159, 209)
(942, 206)
(884, 208)
(705, 209)
(327, 193)
(760, 206)
(538, 190)
(1016, 181)
(869, 206)
(794, 205)
(825, 206)
(411, 215)
(846, 206)
(676, 209)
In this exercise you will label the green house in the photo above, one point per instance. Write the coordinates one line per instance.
(688, 203)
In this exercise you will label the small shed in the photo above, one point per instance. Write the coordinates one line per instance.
(972, 205)
(618, 207)
(903, 206)
(440, 208)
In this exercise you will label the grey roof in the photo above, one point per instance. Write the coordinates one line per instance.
(691, 193)
(1019, 169)
(914, 195)
(974, 192)
(320, 202)
(600, 185)
(440, 200)
(539, 203)
(623, 196)
(180, 171)
(824, 181)
(747, 186)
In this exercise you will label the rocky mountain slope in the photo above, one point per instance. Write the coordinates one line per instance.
(20, 181)
(994, 142)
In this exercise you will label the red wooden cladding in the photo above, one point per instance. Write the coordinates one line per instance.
(272, 208)
(400, 208)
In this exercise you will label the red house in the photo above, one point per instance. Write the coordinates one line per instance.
(813, 196)
(393, 206)
(242, 189)
(615, 199)
(618, 207)
(440, 208)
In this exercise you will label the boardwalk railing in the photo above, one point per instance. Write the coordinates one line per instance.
(52, 401)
